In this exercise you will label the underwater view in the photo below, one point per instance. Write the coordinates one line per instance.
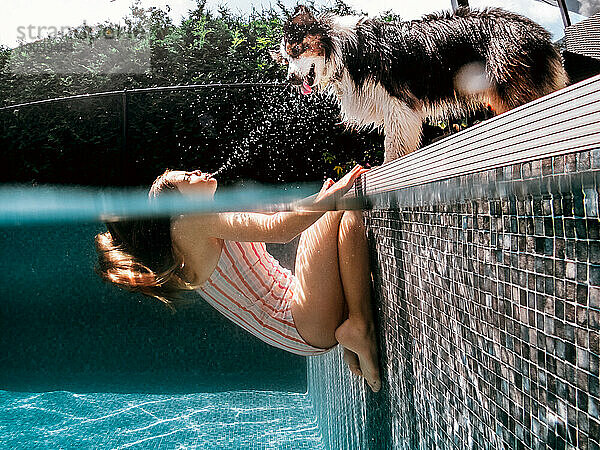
(333, 225)
(238, 419)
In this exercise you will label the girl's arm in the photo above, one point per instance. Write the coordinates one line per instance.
(280, 227)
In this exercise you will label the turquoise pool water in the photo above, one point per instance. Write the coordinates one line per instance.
(227, 420)
(84, 364)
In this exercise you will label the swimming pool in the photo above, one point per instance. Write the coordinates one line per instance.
(84, 364)
(237, 419)
(485, 248)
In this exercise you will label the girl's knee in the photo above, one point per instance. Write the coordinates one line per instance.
(334, 216)
(352, 220)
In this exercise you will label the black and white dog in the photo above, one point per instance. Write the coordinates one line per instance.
(392, 75)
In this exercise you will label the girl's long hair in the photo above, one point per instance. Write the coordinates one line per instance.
(137, 255)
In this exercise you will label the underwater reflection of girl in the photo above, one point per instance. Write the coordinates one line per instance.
(223, 257)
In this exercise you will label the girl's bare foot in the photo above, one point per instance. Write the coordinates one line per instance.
(358, 336)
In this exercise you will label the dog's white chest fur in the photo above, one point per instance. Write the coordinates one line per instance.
(372, 107)
(362, 108)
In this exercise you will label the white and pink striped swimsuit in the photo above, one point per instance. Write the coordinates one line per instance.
(250, 288)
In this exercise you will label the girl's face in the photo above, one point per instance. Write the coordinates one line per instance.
(193, 183)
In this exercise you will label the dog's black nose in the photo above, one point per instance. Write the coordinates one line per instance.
(294, 79)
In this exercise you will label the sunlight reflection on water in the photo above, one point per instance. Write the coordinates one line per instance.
(240, 419)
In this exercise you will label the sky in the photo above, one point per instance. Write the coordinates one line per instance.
(27, 19)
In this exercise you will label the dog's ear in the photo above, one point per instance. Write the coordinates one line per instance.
(302, 9)
(277, 57)
(302, 13)
(296, 28)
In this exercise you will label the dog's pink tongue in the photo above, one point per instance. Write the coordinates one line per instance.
(306, 89)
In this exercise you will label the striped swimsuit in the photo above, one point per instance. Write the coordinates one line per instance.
(251, 289)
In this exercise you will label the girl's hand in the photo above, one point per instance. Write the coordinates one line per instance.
(331, 191)
(328, 183)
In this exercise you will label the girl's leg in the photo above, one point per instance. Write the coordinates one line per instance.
(320, 306)
(357, 333)
(332, 252)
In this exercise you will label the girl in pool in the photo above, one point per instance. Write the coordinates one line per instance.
(223, 257)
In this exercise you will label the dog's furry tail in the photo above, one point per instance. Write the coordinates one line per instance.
(521, 62)
(536, 72)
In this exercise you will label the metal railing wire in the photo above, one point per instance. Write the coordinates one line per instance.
(126, 92)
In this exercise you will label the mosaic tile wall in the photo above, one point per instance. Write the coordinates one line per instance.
(488, 305)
